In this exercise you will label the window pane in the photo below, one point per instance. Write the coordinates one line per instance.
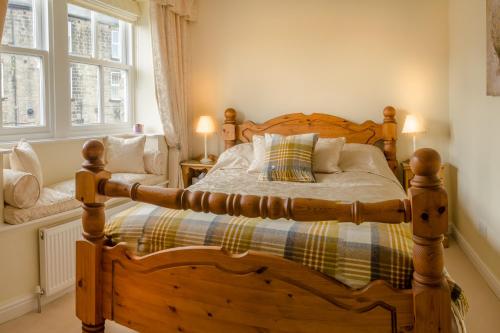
(21, 90)
(79, 31)
(108, 36)
(115, 96)
(18, 29)
(84, 94)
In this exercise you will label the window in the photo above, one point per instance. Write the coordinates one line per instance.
(115, 83)
(115, 45)
(100, 69)
(49, 89)
(70, 37)
(23, 59)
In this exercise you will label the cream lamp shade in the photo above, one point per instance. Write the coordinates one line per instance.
(413, 126)
(205, 125)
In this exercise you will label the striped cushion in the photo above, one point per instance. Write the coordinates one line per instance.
(289, 158)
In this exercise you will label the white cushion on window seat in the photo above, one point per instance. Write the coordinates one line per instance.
(50, 202)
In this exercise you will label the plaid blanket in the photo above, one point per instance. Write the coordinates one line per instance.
(354, 255)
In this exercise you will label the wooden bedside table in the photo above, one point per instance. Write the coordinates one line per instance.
(408, 176)
(193, 168)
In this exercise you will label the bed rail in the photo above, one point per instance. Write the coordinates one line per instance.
(298, 209)
(427, 208)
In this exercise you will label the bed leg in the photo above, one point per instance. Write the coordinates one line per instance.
(92, 328)
(89, 251)
(429, 204)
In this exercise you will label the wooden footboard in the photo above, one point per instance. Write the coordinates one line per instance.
(204, 289)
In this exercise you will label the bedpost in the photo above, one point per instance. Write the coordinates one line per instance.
(89, 250)
(229, 128)
(429, 205)
(389, 132)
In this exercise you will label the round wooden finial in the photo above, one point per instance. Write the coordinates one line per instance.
(425, 162)
(389, 112)
(93, 151)
(230, 116)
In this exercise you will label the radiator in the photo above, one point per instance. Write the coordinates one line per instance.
(58, 257)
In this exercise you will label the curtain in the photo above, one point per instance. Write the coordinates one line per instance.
(3, 13)
(169, 24)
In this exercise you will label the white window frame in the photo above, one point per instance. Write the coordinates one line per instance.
(40, 51)
(51, 25)
(126, 64)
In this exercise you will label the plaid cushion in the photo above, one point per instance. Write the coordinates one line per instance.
(289, 158)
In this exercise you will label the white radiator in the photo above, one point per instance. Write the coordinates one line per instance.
(58, 257)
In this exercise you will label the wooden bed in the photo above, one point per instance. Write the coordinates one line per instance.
(205, 289)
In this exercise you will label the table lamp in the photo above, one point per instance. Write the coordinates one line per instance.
(205, 126)
(413, 126)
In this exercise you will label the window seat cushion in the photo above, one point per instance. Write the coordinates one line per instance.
(68, 186)
(50, 202)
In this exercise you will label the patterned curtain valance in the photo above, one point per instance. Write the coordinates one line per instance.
(185, 8)
(127, 10)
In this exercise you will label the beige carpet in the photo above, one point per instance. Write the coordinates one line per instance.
(484, 314)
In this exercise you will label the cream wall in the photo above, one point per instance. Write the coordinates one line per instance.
(349, 58)
(474, 148)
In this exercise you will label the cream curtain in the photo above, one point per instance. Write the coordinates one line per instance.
(169, 25)
(3, 13)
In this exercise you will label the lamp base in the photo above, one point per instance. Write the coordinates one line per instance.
(206, 161)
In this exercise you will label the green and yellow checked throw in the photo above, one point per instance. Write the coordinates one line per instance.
(352, 254)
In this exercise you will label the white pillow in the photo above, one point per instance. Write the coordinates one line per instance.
(20, 189)
(364, 158)
(155, 162)
(259, 152)
(327, 155)
(125, 155)
(237, 157)
(23, 158)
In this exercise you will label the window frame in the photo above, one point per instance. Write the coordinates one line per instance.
(126, 63)
(39, 50)
(51, 22)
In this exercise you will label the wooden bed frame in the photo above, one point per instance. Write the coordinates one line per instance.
(205, 289)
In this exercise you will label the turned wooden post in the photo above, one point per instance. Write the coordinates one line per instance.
(390, 132)
(89, 250)
(229, 128)
(429, 205)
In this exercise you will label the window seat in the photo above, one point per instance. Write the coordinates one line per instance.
(60, 197)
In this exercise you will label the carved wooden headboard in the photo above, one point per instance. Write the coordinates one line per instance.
(327, 126)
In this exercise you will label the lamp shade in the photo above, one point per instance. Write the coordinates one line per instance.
(205, 125)
(412, 125)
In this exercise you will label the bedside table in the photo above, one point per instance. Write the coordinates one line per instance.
(408, 176)
(193, 168)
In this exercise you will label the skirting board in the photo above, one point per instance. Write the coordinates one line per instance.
(483, 269)
(26, 304)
